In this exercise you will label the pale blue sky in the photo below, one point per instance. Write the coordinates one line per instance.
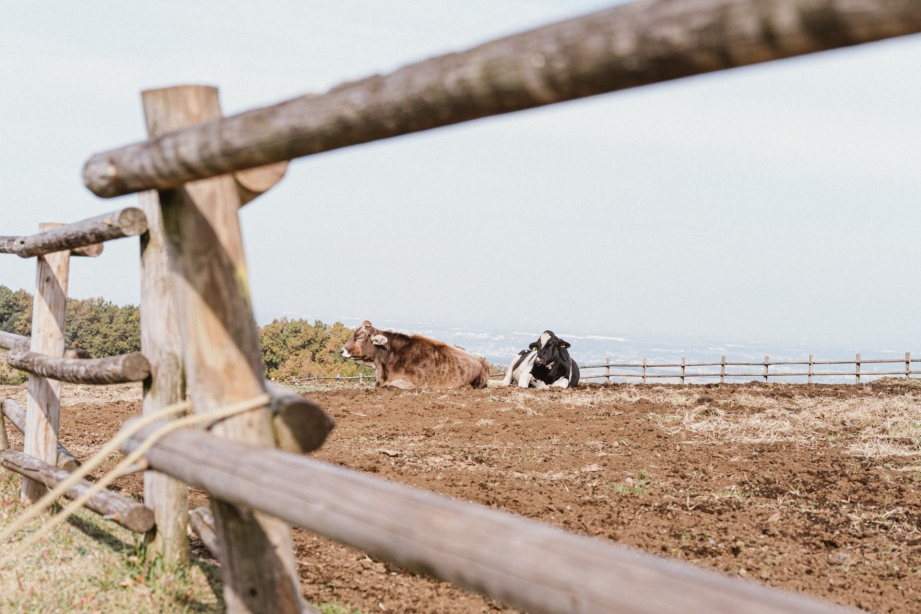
(772, 202)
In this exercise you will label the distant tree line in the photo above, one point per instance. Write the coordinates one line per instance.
(291, 348)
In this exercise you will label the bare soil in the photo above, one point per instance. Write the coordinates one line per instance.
(814, 489)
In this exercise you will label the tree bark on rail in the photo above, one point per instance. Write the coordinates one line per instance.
(17, 415)
(222, 356)
(112, 370)
(87, 235)
(526, 564)
(10, 340)
(625, 46)
(128, 513)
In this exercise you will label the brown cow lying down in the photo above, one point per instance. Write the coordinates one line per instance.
(413, 361)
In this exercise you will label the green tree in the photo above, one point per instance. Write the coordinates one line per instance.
(295, 349)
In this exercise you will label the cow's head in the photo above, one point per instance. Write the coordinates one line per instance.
(550, 350)
(365, 344)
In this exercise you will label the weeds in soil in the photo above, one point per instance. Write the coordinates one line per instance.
(869, 425)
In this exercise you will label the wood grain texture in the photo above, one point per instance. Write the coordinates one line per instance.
(253, 182)
(221, 353)
(202, 522)
(17, 416)
(126, 512)
(111, 370)
(526, 564)
(299, 425)
(161, 343)
(4, 439)
(10, 340)
(622, 47)
(40, 439)
(86, 236)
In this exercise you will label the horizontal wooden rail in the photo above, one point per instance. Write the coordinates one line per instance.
(622, 47)
(765, 374)
(10, 340)
(728, 374)
(526, 564)
(127, 512)
(17, 415)
(750, 364)
(112, 370)
(298, 424)
(87, 235)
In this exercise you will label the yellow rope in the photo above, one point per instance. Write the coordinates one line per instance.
(112, 475)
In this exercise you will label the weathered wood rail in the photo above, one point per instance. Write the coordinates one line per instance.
(127, 512)
(17, 416)
(810, 373)
(622, 47)
(205, 167)
(87, 235)
(111, 370)
(526, 564)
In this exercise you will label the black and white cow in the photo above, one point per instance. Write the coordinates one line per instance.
(546, 363)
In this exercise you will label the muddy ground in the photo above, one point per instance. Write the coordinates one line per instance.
(815, 489)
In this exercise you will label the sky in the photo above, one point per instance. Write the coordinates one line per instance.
(775, 202)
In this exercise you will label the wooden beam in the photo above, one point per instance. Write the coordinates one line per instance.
(253, 182)
(202, 522)
(161, 342)
(40, 438)
(221, 354)
(17, 415)
(86, 236)
(622, 47)
(528, 565)
(111, 370)
(128, 513)
(4, 439)
(9, 340)
(298, 424)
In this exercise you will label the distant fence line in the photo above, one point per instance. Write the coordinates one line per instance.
(765, 374)
(682, 374)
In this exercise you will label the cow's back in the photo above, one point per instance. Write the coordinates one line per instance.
(434, 364)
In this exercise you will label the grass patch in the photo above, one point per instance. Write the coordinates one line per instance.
(92, 565)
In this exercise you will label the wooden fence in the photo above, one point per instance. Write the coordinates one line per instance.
(194, 173)
(682, 373)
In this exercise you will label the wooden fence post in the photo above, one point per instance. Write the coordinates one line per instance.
(644, 371)
(811, 360)
(857, 370)
(162, 345)
(683, 361)
(723, 370)
(222, 357)
(767, 362)
(607, 370)
(44, 402)
(907, 364)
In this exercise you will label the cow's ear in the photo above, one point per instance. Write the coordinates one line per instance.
(379, 340)
(534, 346)
(564, 344)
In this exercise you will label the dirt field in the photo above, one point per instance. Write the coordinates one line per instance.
(815, 489)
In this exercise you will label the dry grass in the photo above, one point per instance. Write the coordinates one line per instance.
(871, 425)
(92, 565)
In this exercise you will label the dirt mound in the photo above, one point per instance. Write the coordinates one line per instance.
(810, 488)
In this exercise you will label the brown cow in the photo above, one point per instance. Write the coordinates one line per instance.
(413, 361)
